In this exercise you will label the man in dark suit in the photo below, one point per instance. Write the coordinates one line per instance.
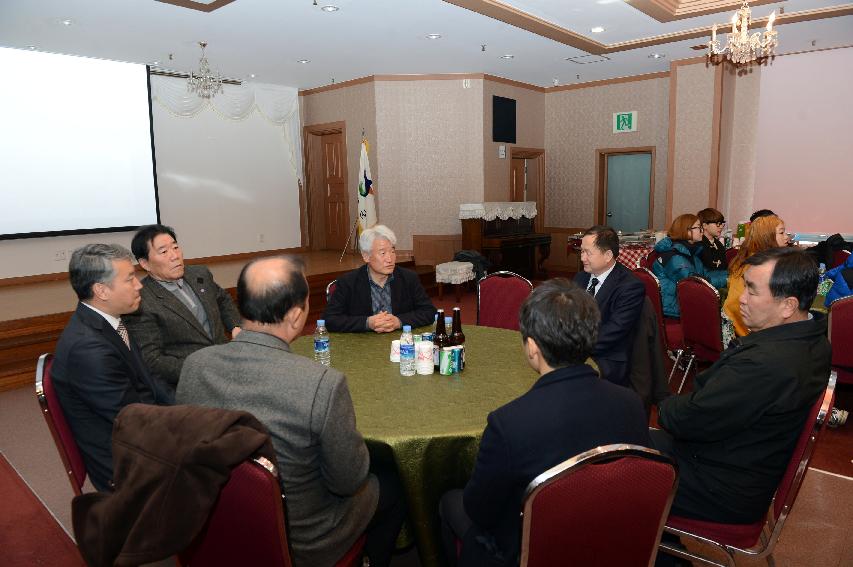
(569, 410)
(331, 497)
(379, 296)
(98, 368)
(182, 308)
(619, 296)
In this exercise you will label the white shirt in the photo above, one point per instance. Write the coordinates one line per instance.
(601, 278)
(113, 321)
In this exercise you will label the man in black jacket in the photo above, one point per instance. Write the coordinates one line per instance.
(568, 410)
(378, 296)
(734, 435)
(98, 367)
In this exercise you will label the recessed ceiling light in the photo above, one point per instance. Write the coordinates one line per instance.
(433, 36)
(66, 22)
(507, 56)
(251, 75)
(597, 29)
(32, 47)
(155, 63)
(330, 8)
(656, 56)
(304, 61)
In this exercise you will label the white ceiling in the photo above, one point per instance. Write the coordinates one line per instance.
(367, 37)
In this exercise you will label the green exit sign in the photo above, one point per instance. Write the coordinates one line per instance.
(624, 122)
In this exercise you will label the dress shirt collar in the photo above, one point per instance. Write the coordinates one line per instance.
(602, 277)
(113, 321)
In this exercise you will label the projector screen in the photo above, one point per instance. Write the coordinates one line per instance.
(76, 145)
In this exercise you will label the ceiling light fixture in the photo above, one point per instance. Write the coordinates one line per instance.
(656, 56)
(251, 75)
(66, 22)
(597, 29)
(741, 48)
(204, 83)
(433, 36)
(330, 8)
(32, 47)
(507, 56)
(304, 61)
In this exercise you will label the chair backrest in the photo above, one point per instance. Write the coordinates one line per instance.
(841, 331)
(730, 255)
(330, 289)
(649, 260)
(63, 438)
(606, 506)
(793, 477)
(652, 284)
(701, 321)
(247, 525)
(499, 297)
(839, 257)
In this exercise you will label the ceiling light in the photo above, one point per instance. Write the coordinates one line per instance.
(204, 82)
(32, 47)
(507, 56)
(304, 61)
(433, 36)
(330, 8)
(656, 56)
(155, 63)
(740, 47)
(251, 75)
(597, 29)
(66, 22)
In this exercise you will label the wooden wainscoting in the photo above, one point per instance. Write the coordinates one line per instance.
(433, 249)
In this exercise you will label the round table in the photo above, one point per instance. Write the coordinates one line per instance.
(429, 426)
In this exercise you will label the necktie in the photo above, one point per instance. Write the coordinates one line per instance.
(592, 283)
(122, 332)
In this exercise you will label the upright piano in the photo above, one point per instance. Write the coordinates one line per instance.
(503, 233)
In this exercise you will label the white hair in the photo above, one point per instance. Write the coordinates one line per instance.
(365, 241)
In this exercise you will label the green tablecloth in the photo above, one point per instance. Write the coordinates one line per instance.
(430, 426)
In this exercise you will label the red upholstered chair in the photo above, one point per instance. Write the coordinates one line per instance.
(841, 337)
(730, 255)
(649, 260)
(330, 289)
(72, 460)
(701, 322)
(758, 540)
(604, 507)
(247, 524)
(499, 297)
(670, 329)
(839, 257)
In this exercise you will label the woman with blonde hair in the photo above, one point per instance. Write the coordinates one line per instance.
(678, 257)
(764, 233)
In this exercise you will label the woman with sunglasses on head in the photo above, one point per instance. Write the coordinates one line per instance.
(713, 252)
(678, 257)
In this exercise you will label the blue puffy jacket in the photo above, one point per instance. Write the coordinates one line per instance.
(841, 287)
(676, 261)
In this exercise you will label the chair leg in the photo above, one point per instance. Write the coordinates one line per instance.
(679, 352)
(686, 372)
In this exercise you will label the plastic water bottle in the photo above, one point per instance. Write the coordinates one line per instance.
(322, 346)
(407, 352)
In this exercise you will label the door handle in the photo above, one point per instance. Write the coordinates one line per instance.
(609, 214)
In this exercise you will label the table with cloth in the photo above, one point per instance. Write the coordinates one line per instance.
(429, 426)
(631, 252)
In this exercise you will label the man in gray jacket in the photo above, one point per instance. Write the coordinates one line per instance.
(331, 497)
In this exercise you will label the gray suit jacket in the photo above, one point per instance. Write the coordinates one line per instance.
(329, 495)
(167, 332)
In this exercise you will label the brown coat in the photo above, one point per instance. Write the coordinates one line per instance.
(169, 465)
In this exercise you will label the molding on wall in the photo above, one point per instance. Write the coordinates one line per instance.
(513, 83)
(199, 6)
(616, 81)
(670, 154)
(714, 174)
(673, 10)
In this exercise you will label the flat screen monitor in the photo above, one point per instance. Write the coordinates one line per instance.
(503, 119)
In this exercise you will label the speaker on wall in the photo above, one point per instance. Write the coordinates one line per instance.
(503, 119)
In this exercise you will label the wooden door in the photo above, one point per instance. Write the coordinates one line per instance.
(335, 199)
(518, 189)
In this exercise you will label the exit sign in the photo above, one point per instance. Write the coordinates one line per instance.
(624, 122)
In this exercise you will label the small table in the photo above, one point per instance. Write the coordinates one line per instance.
(455, 273)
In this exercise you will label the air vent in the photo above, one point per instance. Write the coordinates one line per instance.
(588, 59)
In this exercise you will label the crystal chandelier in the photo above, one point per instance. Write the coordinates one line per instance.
(205, 83)
(741, 47)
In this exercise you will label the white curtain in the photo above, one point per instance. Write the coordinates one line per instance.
(276, 104)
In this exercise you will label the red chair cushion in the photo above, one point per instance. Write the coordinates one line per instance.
(674, 333)
(701, 322)
(500, 298)
(841, 333)
(63, 437)
(845, 375)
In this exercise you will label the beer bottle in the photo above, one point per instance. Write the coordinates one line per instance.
(457, 337)
(441, 338)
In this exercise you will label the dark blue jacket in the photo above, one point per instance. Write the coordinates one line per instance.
(676, 261)
(841, 287)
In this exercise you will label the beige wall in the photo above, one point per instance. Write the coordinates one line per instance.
(580, 121)
(530, 133)
(430, 148)
(693, 161)
(355, 105)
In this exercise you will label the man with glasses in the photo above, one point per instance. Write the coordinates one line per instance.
(619, 296)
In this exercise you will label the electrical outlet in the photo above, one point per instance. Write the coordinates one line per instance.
(60, 256)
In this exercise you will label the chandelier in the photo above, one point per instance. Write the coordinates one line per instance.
(205, 83)
(742, 48)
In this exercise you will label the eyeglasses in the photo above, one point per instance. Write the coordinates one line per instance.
(695, 228)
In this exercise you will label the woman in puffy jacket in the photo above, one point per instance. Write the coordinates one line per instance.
(843, 277)
(679, 257)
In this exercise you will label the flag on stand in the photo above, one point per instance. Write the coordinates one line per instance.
(366, 192)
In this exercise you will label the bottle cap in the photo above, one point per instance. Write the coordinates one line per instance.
(321, 322)
(407, 328)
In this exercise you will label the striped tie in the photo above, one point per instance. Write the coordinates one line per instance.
(122, 332)
(592, 283)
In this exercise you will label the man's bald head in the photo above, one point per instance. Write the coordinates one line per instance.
(270, 287)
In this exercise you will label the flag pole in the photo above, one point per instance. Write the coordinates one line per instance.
(346, 244)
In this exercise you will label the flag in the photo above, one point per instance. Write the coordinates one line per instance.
(366, 192)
